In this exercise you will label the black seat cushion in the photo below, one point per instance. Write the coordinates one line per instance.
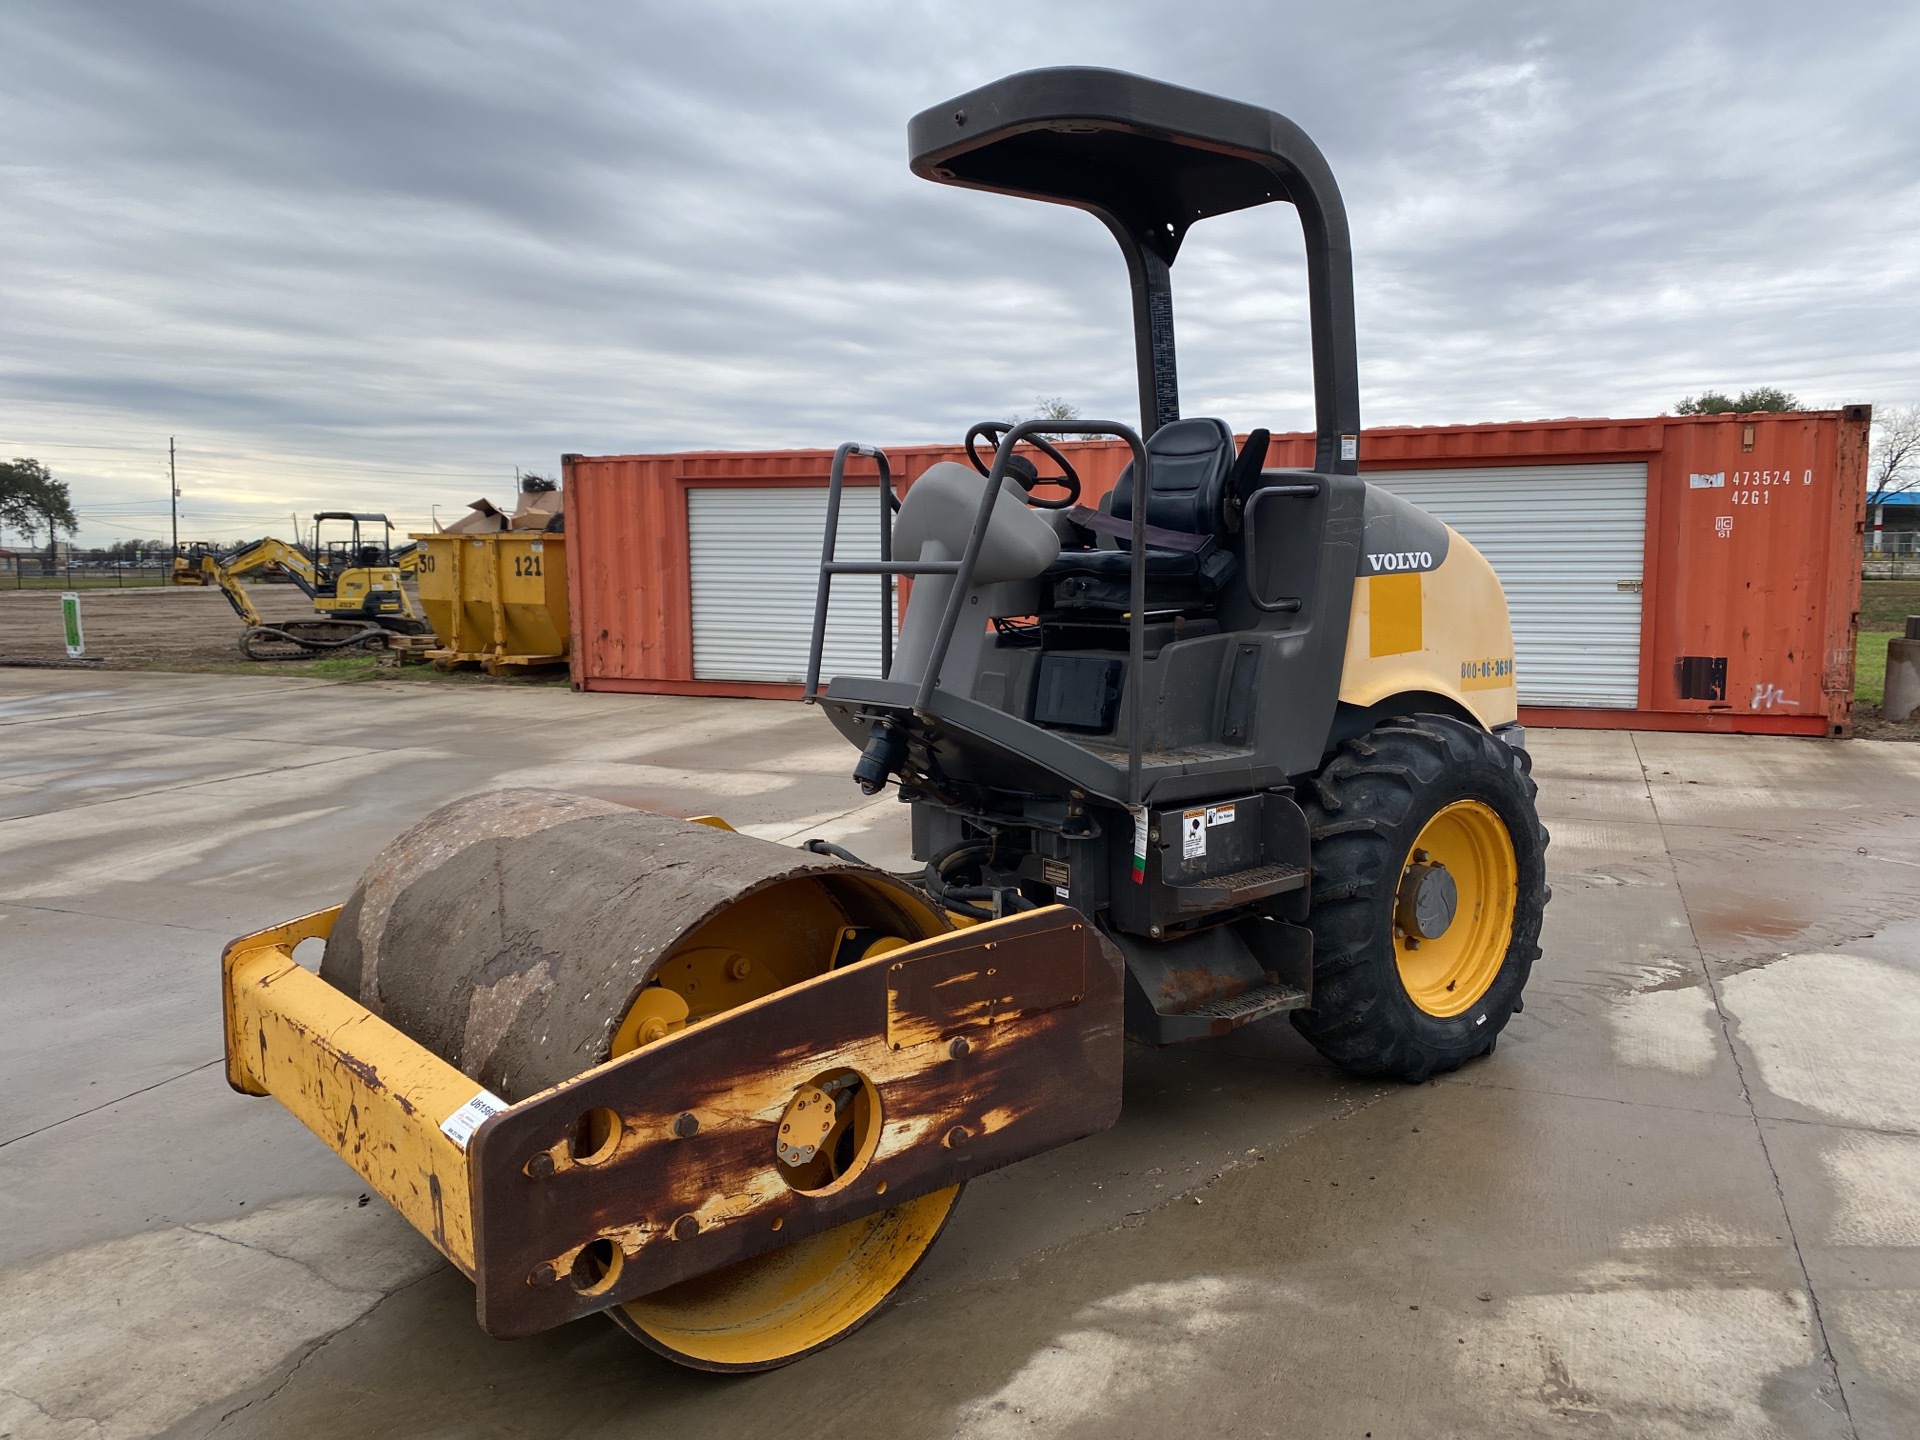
(1187, 478)
(1103, 579)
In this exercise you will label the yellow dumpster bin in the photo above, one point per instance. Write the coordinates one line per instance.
(495, 600)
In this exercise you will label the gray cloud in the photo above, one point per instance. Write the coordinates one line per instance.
(380, 254)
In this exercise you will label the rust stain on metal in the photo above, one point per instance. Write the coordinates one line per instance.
(928, 1003)
(439, 1213)
(1185, 986)
(1041, 1071)
(363, 1071)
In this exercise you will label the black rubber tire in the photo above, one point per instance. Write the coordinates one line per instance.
(1365, 808)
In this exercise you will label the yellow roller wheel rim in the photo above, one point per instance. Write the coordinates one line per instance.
(1450, 967)
(779, 1306)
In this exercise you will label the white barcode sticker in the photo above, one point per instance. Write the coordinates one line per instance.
(459, 1126)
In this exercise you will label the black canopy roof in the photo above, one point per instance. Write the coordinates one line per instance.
(1151, 160)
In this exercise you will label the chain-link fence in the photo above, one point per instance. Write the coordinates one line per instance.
(37, 572)
(1891, 555)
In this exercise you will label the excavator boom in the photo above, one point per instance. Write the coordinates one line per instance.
(226, 570)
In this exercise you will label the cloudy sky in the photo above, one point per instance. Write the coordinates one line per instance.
(379, 254)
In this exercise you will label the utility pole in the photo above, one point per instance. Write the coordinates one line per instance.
(173, 491)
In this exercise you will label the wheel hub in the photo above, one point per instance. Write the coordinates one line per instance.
(804, 1128)
(1453, 909)
(1427, 899)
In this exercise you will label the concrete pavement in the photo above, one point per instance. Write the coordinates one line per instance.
(1680, 1199)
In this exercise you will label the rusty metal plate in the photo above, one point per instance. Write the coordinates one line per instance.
(930, 999)
(968, 1071)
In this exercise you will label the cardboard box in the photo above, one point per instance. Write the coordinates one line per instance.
(536, 510)
(484, 520)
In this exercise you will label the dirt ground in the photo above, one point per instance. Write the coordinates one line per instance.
(164, 627)
(1870, 724)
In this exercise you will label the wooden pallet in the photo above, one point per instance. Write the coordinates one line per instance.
(411, 649)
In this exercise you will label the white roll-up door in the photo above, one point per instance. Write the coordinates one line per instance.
(1568, 542)
(755, 560)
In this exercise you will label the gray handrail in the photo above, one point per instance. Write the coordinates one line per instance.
(829, 567)
(1136, 620)
(1304, 490)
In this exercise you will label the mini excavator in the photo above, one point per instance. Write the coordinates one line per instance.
(354, 582)
(1233, 743)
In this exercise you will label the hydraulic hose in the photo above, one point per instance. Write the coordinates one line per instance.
(960, 898)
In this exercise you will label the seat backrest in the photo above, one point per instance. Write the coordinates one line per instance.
(1186, 478)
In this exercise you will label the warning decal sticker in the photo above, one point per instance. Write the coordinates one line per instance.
(1193, 834)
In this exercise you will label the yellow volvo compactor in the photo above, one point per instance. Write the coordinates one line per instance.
(1233, 744)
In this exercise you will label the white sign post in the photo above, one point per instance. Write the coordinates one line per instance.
(70, 615)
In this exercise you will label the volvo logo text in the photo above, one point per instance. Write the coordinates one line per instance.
(1402, 560)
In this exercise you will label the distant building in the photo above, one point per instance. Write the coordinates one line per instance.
(1894, 524)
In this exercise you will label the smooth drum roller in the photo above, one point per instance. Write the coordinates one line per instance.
(525, 936)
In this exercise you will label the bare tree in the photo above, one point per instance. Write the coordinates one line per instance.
(1055, 407)
(1893, 465)
(1894, 468)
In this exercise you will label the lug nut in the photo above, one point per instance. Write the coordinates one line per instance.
(959, 1048)
(540, 1166)
(685, 1228)
(686, 1125)
(542, 1274)
(956, 1137)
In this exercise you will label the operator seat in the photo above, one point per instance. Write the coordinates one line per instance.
(1187, 564)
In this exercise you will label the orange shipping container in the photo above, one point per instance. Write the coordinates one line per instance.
(1696, 572)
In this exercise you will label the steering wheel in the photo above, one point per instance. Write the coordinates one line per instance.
(1068, 479)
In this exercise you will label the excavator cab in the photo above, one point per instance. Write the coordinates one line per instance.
(335, 555)
(353, 572)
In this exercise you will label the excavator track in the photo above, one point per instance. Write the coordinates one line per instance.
(304, 639)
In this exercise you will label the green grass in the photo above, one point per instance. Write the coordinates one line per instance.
(1885, 605)
(1870, 665)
